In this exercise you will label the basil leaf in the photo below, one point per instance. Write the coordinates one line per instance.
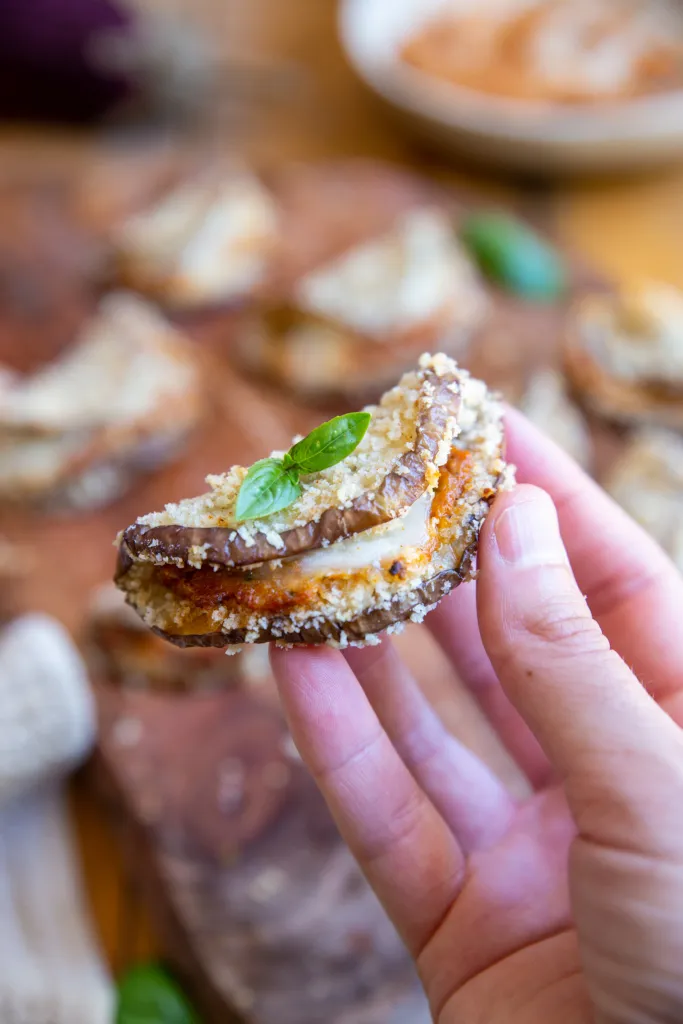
(268, 487)
(149, 995)
(329, 443)
(513, 256)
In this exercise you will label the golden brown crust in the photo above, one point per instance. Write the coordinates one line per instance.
(374, 621)
(438, 404)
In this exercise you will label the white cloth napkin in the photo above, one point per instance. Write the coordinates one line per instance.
(51, 970)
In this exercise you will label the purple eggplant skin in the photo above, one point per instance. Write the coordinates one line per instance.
(48, 68)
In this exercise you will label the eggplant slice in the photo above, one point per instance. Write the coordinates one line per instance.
(371, 542)
(206, 242)
(351, 326)
(624, 356)
(121, 401)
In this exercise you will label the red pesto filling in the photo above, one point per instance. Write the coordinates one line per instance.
(280, 592)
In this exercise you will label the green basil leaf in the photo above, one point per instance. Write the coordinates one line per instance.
(268, 487)
(329, 443)
(149, 995)
(513, 256)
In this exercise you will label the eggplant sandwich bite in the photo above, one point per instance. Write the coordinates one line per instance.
(348, 328)
(624, 356)
(205, 244)
(118, 403)
(363, 524)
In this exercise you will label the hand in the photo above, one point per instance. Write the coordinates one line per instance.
(567, 906)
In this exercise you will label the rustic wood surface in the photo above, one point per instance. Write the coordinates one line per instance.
(630, 227)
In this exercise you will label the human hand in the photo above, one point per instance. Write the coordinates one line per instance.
(568, 906)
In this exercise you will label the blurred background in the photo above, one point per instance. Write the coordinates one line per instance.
(172, 176)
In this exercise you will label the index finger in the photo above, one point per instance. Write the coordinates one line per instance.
(632, 588)
(407, 852)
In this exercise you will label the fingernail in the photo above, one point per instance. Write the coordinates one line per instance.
(527, 533)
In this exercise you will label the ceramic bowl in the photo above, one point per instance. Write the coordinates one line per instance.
(539, 137)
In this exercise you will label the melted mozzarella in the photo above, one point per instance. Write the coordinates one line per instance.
(397, 281)
(375, 546)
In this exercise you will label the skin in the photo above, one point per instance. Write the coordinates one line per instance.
(566, 906)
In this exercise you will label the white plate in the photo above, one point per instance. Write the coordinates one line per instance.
(540, 137)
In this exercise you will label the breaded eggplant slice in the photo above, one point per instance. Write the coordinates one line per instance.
(373, 541)
(350, 327)
(624, 355)
(647, 481)
(121, 401)
(205, 243)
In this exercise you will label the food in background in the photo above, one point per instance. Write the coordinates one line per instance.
(546, 403)
(120, 402)
(554, 51)
(123, 652)
(513, 256)
(205, 243)
(348, 551)
(351, 326)
(50, 267)
(624, 355)
(647, 481)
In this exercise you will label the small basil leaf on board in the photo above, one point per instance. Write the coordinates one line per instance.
(149, 995)
(513, 256)
(268, 487)
(329, 443)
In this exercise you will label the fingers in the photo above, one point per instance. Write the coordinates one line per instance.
(408, 853)
(455, 626)
(595, 721)
(471, 800)
(632, 588)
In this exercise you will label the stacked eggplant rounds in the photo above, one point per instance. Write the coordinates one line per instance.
(349, 551)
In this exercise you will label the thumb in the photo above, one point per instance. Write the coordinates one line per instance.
(600, 729)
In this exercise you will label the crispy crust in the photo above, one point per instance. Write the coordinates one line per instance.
(439, 403)
(327, 631)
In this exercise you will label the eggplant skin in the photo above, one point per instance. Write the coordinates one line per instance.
(427, 594)
(400, 488)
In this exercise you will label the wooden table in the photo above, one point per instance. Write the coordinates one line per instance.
(317, 108)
